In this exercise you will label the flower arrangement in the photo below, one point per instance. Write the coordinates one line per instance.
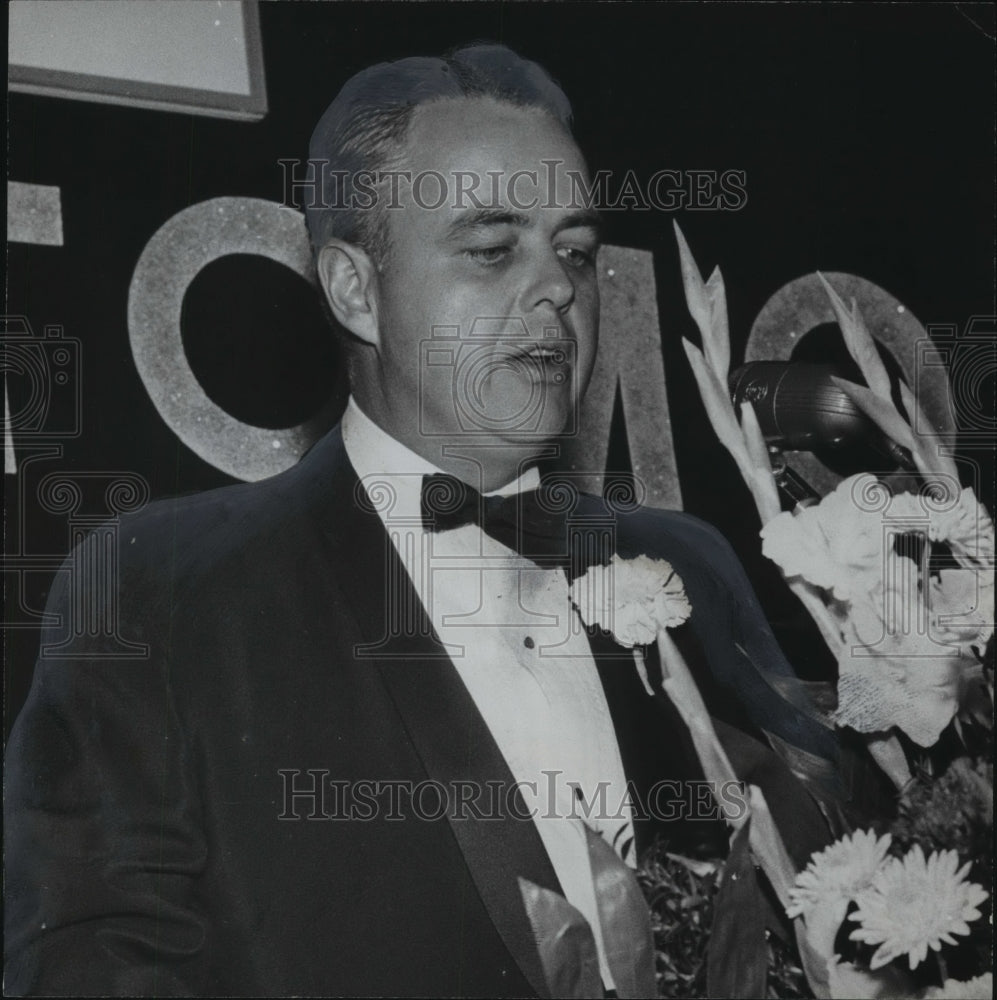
(908, 641)
(909, 633)
(637, 601)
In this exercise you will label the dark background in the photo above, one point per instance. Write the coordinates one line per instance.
(866, 133)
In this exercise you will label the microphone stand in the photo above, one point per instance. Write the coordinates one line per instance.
(793, 488)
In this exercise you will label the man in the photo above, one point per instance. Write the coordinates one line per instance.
(251, 810)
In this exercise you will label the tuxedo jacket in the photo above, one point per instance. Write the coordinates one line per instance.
(189, 822)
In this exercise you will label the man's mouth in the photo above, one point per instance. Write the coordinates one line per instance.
(554, 353)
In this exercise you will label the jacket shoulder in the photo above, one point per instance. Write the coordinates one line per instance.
(203, 523)
(217, 524)
(653, 530)
(177, 550)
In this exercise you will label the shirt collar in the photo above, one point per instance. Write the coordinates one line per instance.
(378, 458)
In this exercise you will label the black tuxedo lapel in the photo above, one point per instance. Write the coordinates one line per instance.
(439, 715)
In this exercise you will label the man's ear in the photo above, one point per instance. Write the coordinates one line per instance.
(349, 280)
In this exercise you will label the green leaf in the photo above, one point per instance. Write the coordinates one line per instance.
(881, 412)
(763, 486)
(859, 342)
(717, 344)
(768, 847)
(887, 751)
(849, 982)
(737, 959)
(822, 923)
(564, 942)
(692, 281)
(929, 443)
(719, 408)
(708, 307)
(815, 965)
(817, 700)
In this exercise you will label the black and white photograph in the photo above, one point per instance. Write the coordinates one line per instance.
(499, 499)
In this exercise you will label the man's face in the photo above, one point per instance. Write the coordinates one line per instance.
(488, 304)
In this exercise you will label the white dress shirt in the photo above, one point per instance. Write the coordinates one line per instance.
(522, 654)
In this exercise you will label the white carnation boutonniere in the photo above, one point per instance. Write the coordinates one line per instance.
(634, 600)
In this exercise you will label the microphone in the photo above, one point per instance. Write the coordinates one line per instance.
(799, 408)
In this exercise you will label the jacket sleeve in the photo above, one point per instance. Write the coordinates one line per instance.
(104, 840)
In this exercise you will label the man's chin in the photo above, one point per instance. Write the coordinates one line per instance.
(519, 418)
(540, 438)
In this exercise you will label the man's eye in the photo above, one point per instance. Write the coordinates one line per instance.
(576, 256)
(487, 255)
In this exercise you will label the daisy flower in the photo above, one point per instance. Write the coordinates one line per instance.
(916, 904)
(839, 873)
(980, 988)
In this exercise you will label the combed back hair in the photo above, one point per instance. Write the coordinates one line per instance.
(365, 127)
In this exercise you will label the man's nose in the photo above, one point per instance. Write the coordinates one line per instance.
(551, 284)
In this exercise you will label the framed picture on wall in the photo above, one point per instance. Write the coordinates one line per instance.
(187, 56)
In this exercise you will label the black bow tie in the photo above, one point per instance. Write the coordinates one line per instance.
(534, 523)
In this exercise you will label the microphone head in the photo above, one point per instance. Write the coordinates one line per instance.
(798, 407)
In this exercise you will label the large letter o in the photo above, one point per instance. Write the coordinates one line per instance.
(187, 242)
(802, 304)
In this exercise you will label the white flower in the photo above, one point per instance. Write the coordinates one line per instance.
(893, 669)
(967, 528)
(838, 873)
(797, 545)
(915, 904)
(631, 598)
(919, 695)
(907, 647)
(980, 988)
(962, 608)
(839, 543)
